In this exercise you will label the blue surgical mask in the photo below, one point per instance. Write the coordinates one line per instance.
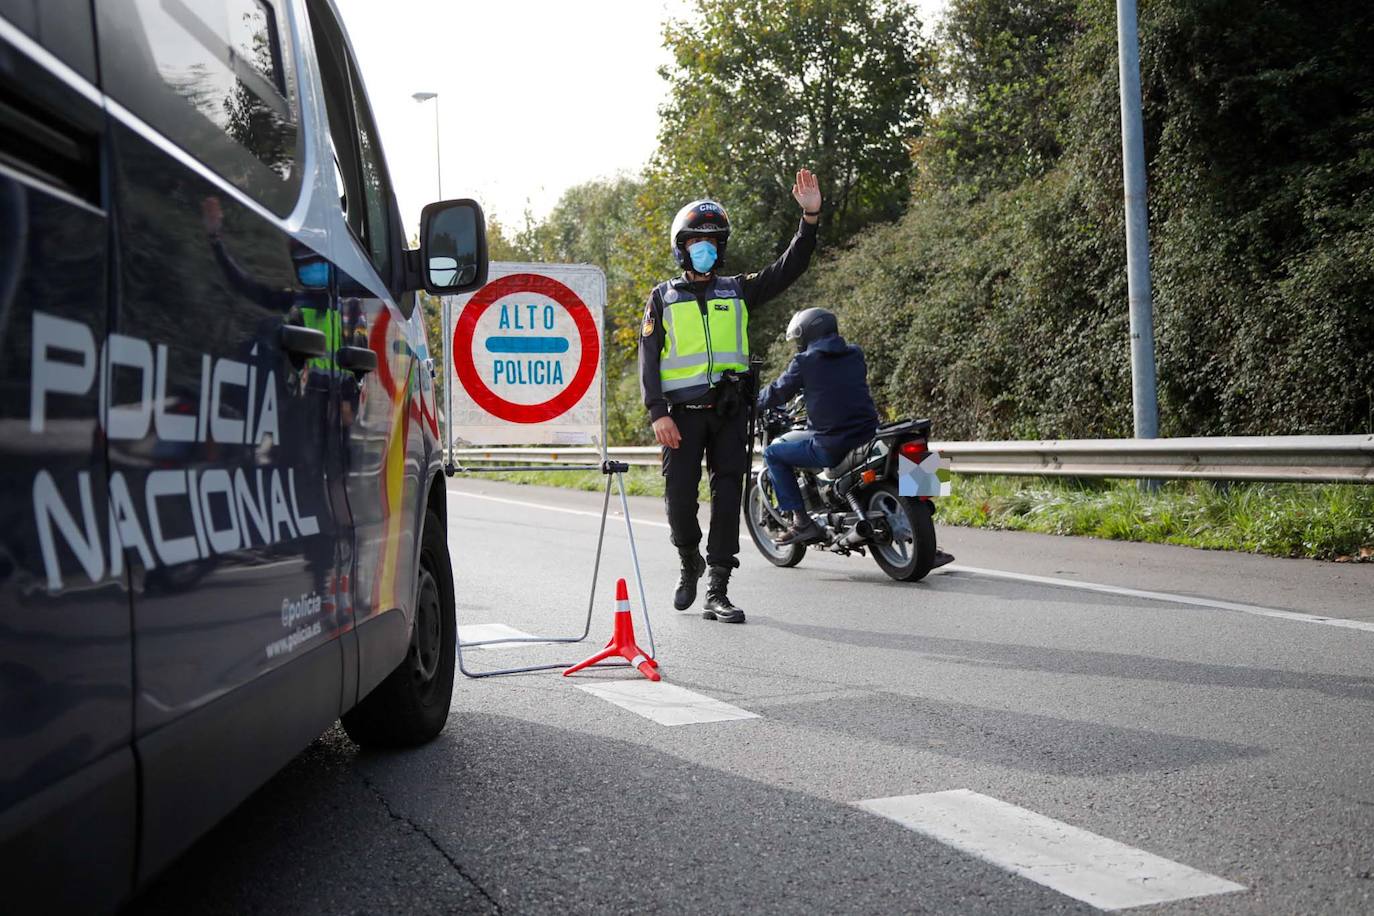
(703, 255)
(313, 274)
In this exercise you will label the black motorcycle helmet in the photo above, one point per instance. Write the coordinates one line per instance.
(700, 218)
(810, 325)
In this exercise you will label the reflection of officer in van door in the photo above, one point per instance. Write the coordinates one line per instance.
(308, 303)
(693, 363)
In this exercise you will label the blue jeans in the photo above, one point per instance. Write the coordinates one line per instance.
(782, 456)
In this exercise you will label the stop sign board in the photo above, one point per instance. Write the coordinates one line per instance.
(525, 356)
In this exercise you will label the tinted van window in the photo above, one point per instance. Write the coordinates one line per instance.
(61, 26)
(338, 108)
(376, 191)
(366, 193)
(214, 77)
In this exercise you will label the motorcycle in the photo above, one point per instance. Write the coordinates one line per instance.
(860, 504)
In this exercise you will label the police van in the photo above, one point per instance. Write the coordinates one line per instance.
(222, 511)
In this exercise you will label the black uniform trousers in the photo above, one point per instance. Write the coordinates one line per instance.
(724, 443)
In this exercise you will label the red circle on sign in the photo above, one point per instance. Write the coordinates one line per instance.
(466, 369)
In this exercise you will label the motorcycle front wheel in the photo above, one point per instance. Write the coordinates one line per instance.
(908, 555)
(762, 527)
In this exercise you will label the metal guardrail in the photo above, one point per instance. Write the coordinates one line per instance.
(1300, 459)
(1294, 459)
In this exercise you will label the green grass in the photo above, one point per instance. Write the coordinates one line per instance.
(1320, 521)
(640, 481)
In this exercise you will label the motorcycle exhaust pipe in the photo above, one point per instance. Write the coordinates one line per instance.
(862, 531)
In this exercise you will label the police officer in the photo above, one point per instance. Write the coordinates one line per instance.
(693, 365)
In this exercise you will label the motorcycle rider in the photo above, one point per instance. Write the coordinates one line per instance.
(693, 363)
(840, 413)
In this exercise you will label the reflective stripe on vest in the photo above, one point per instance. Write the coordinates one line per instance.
(692, 348)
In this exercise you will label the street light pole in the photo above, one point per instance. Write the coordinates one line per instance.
(438, 159)
(1143, 386)
(445, 307)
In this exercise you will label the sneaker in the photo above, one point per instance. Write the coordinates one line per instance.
(804, 530)
(941, 559)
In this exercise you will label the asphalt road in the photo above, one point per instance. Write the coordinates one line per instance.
(1221, 738)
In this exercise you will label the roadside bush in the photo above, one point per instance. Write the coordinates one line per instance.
(997, 303)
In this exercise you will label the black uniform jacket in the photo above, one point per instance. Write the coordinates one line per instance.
(757, 289)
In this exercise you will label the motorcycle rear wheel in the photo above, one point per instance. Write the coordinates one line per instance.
(755, 516)
(909, 555)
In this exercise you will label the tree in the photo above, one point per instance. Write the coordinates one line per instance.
(502, 245)
(759, 88)
(1000, 89)
(997, 303)
(595, 223)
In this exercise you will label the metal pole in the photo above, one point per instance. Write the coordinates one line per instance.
(1143, 394)
(446, 347)
(755, 362)
(438, 160)
(423, 97)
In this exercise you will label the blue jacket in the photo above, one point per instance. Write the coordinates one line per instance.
(834, 377)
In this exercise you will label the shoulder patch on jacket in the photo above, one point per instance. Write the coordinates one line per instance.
(648, 328)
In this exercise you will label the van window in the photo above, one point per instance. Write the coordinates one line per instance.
(376, 191)
(364, 188)
(61, 26)
(214, 77)
(338, 108)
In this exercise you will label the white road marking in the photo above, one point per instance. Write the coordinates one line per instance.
(1082, 865)
(479, 632)
(1216, 604)
(666, 704)
(1167, 596)
(463, 494)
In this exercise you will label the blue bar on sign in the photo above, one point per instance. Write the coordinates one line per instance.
(527, 345)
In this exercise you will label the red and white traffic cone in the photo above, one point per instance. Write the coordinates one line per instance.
(622, 642)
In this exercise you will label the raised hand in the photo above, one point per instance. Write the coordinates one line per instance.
(807, 191)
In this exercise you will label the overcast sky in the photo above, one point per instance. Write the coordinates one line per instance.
(534, 95)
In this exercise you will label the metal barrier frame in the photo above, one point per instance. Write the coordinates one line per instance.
(612, 469)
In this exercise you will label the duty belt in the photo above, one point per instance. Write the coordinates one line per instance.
(706, 401)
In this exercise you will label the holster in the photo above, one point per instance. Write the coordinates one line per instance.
(733, 391)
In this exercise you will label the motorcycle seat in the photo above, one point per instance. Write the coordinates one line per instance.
(903, 427)
(848, 462)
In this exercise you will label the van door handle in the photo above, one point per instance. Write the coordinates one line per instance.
(357, 359)
(299, 341)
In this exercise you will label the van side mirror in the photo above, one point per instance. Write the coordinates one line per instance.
(453, 247)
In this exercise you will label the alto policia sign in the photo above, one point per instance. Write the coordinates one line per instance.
(525, 358)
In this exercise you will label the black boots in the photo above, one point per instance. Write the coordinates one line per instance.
(693, 565)
(804, 530)
(718, 606)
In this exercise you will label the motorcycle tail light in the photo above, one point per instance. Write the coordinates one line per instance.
(914, 450)
(869, 476)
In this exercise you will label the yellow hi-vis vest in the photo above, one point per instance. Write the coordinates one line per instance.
(697, 349)
(328, 321)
